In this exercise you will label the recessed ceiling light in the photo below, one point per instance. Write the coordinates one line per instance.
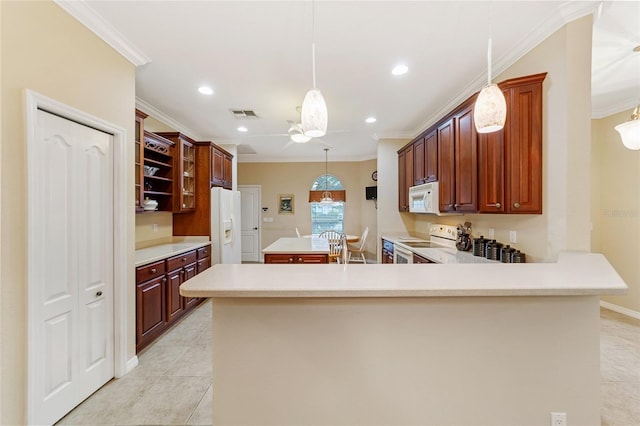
(399, 69)
(243, 129)
(205, 90)
(370, 120)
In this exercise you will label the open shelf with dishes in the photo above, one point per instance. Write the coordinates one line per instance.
(158, 173)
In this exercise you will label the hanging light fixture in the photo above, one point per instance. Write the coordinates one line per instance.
(297, 135)
(326, 195)
(630, 130)
(314, 116)
(490, 110)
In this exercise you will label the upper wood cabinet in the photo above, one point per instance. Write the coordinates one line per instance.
(139, 158)
(510, 161)
(425, 159)
(221, 165)
(158, 185)
(185, 171)
(209, 158)
(405, 176)
(499, 172)
(466, 162)
(446, 165)
(457, 162)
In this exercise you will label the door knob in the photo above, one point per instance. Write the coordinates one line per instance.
(255, 228)
(98, 294)
(498, 205)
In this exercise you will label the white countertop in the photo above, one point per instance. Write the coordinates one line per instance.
(162, 251)
(294, 245)
(437, 254)
(574, 274)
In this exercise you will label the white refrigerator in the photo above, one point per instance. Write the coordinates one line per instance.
(225, 226)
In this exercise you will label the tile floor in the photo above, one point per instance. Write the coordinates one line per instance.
(172, 383)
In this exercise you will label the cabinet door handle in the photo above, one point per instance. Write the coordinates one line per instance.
(300, 260)
(184, 259)
(182, 272)
(516, 205)
(152, 271)
(496, 205)
(164, 280)
(456, 206)
(291, 260)
(204, 251)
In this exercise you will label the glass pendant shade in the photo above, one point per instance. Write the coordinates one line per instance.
(630, 133)
(314, 115)
(630, 130)
(490, 110)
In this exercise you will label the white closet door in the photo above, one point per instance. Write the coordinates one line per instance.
(73, 221)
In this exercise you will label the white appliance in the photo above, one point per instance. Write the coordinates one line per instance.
(225, 226)
(424, 198)
(440, 236)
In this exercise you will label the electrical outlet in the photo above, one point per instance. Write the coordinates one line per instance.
(492, 233)
(558, 419)
(265, 219)
(155, 227)
(512, 237)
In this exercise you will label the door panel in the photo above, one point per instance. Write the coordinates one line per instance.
(72, 216)
(250, 222)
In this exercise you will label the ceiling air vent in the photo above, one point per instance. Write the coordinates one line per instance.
(244, 113)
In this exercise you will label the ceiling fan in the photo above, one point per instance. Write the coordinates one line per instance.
(296, 136)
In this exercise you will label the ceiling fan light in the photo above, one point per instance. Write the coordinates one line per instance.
(630, 133)
(299, 137)
(314, 115)
(490, 110)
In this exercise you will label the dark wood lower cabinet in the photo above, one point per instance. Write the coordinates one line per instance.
(150, 313)
(419, 259)
(158, 301)
(174, 300)
(295, 258)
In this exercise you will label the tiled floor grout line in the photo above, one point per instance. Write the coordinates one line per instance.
(619, 336)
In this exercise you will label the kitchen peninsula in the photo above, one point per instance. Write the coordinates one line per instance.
(407, 344)
(297, 250)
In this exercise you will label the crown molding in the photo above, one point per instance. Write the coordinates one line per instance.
(91, 19)
(569, 11)
(149, 109)
(607, 110)
(257, 158)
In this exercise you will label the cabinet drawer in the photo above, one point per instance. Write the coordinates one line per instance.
(204, 252)
(147, 272)
(181, 260)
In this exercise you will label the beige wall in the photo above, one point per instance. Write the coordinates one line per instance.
(296, 179)
(76, 68)
(565, 222)
(153, 228)
(615, 207)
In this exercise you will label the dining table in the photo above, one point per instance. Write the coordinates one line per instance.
(350, 238)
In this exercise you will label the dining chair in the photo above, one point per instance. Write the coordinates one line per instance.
(336, 244)
(297, 232)
(358, 249)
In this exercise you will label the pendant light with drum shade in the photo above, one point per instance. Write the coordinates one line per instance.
(326, 195)
(630, 130)
(314, 116)
(490, 110)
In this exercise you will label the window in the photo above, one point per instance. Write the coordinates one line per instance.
(327, 216)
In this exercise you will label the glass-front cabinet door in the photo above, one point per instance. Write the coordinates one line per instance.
(188, 194)
(139, 158)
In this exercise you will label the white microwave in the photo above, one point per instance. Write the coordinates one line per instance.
(424, 198)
